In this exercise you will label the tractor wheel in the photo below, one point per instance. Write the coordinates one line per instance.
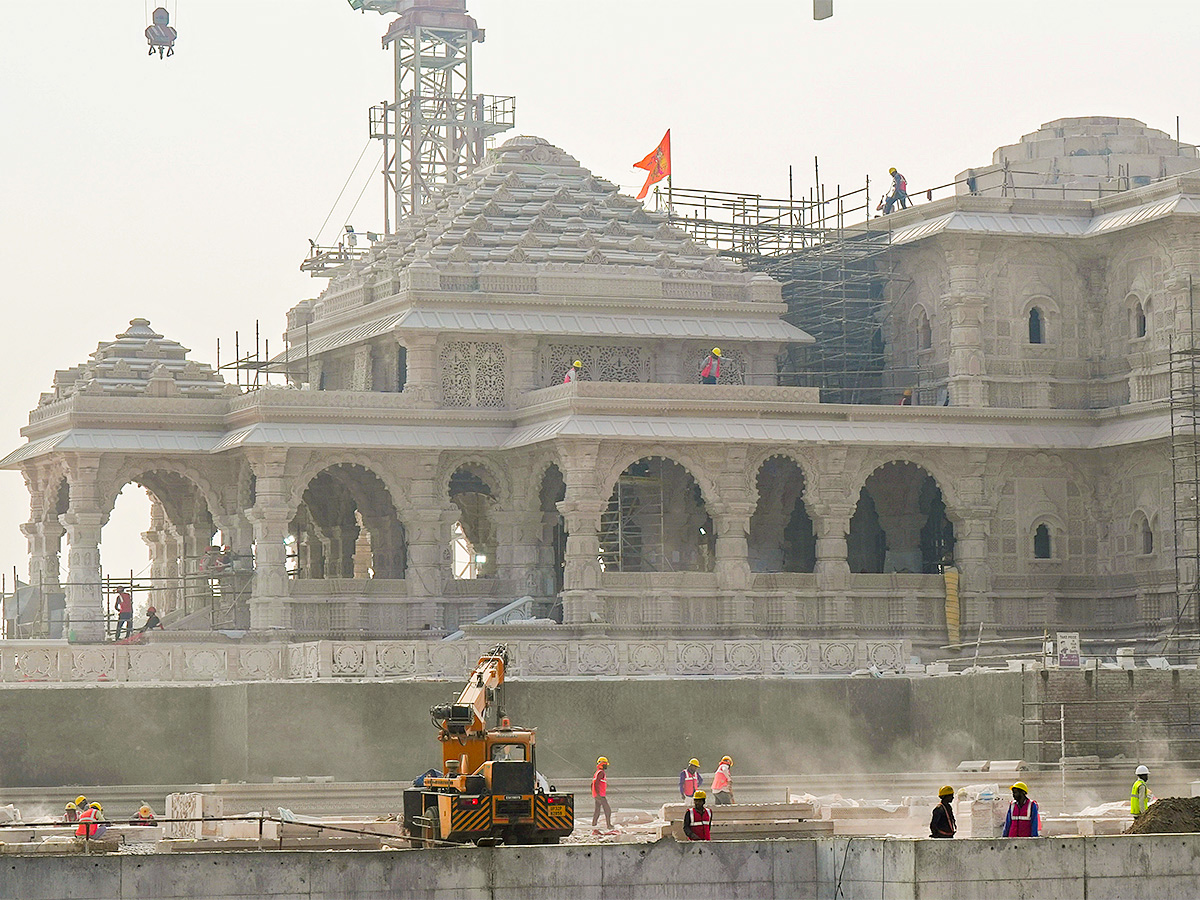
(433, 833)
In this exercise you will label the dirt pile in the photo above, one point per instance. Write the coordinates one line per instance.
(1170, 815)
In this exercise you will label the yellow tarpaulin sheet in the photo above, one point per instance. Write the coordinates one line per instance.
(953, 633)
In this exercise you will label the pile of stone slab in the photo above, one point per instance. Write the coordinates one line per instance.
(751, 820)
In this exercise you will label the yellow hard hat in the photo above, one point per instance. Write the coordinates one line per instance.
(96, 806)
(892, 170)
(908, 392)
(80, 800)
(1020, 786)
(727, 759)
(700, 795)
(693, 762)
(578, 364)
(144, 810)
(946, 791)
(70, 805)
(716, 351)
(602, 761)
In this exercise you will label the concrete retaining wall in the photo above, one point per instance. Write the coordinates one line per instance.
(1160, 866)
(355, 731)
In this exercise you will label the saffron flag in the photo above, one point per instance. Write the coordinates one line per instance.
(657, 163)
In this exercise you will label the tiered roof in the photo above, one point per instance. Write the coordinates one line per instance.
(140, 361)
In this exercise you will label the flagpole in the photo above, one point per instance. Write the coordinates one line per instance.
(670, 205)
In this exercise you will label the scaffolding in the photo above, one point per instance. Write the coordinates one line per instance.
(1185, 469)
(632, 526)
(833, 262)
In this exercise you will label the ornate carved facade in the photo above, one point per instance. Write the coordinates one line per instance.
(429, 466)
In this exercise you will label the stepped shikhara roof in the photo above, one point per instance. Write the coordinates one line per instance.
(139, 362)
(535, 204)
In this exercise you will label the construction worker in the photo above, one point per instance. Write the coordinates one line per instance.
(600, 795)
(1140, 797)
(152, 621)
(906, 398)
(690, 779)
(124, 607)
(573, 372)
(90, 821)
(144, 816)
(712, 367)
(1022, 818)
(942, 824)
(899, 194)
(697, 821)
(71, 813)
(722, 784)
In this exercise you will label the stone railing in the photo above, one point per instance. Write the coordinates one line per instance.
(56, 661)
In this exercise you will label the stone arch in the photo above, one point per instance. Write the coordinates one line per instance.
(782, 537)
(488, 469)
(346, 525)
(1047, 537)
(922, 327)
(1137, 305)
(657, 520)
(901, 522)
(1142, 527)
(1041, 315)
(473, 488)
(320, 462)
(136, 472)
(695, 468)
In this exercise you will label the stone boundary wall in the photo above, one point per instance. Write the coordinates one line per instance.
(57, 661)
(1067, 868)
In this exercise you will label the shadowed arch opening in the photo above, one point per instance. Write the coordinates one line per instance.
(473, 538)
(900, 523)
(346, 526)
(553, 546)
(781, 536)
(656, 521)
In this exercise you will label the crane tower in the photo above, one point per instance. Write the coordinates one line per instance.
(435, 127)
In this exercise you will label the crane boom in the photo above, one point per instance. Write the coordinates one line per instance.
(467, 716)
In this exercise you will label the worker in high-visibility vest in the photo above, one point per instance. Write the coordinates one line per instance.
(600, 795)
(722, 783)
(91, 822)
(690, 780)
(1140, 797)
(1023, 819)
(712, 367)
(697, 821)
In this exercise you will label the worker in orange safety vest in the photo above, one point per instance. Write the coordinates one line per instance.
(690, 780)
(722, 784)
(600, 794)
(90, 822)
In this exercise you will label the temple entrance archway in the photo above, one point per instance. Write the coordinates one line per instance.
(656, 521)
(473, 537)
(900, 523)
(346, 526)
(781, 536)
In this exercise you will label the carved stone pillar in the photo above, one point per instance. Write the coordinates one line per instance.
(360, 379)
(831, 523)
(424, 378)
(732, 523)
(340, 561)
(903, 531)
(45, 544)
(165, 550)
(269, 602)
(966, 305)
(975, 574)
(518, 541)
(522, 366)
(581, 569)
(83, 520)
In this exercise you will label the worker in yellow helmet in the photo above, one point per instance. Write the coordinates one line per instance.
(690, 780)
(1023, 817)
(722, 784)
(600, 795)
(942, 824)
(712, 367)
(899, 194)
(573, 372)
(697, 821)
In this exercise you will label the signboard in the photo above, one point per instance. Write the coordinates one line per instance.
(1068, 649)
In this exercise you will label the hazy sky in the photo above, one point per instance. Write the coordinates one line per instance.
(185, 190)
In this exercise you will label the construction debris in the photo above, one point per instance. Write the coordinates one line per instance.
(1170, 815)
